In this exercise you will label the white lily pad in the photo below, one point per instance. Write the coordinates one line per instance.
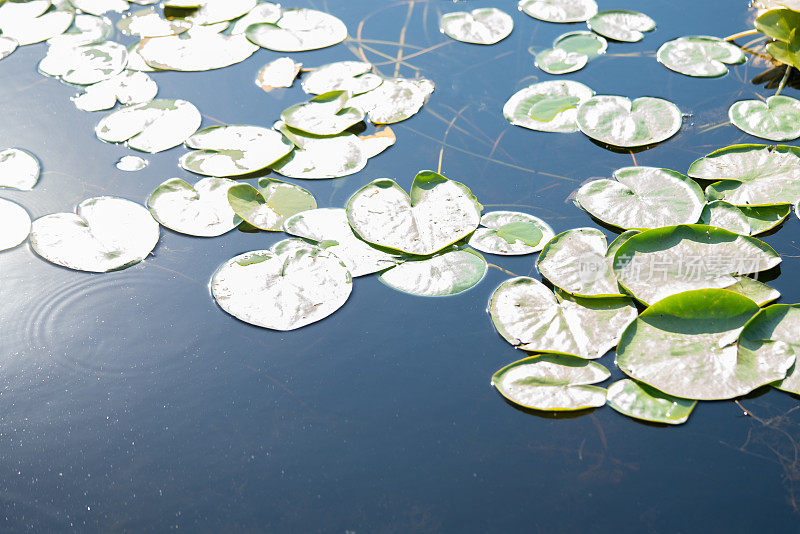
(263, 12)
(483, 26)
(641, 401)
(105, 234)
(699, 56)
(510, 233)
(195, 51)
(271, 204)
(438, 213)
(31, 22)
(394, 100)
(559, 10)
(325, 114)
(298, 30)
(744, 220)
(151, 127)
(280, 72)
(532, 318)
(15, 223)
(129, 87)
(148, 22)
(18, 169)
(621, 25)
(582, 42)
(777, 119)
(234, 150)
(202, 210)
(284, 288)
(85, 64)
(643, 197)
(616, 121)
(552, 383)
(7, 46)
(550, 106)
(219, 11)
(376, 143)
(85, 29)
(779, 323)
(448, 273)
(100, 7)
(559, 61)
(131, 163)
(316, 158)
(351, 76)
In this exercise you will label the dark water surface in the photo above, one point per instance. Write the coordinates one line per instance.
(130, 401)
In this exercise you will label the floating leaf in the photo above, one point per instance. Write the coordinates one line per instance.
(779, 323)
(582, 42)
(394, 100)
(326, 114)
(510, 233)
(15, 222)
(18, 169)
(755, 175)
(527, 107)
(744, 220)
(131, 163)
(641, 401)
(289, 286)
(298, 30)
(484, 26)
(699, 56)
(85, 64)
(643, 197)
(195, 51)
(532, 318)
(317, 158)
(378, 142)
(268, 206)
(128, 87)
(438, 213)
(280, 72)
(559, 10)
(351, 76)
(686, 345)
(85, 29)
(218, 11)
(778, 23)
(31, 22)
(777, 119)
(617, 121)
(202, 210)
(559, 61)
(263, 12)
(106, 234)
(234, 150)
(552, 383)
(100, 7)
(149, 23)
(7, 46)
(449, 273)
(657, 263)
(621, 25)
(151, 127)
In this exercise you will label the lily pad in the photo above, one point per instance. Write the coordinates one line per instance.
(129, 87)
(234, 150)
(621, 25)
(511, 233)
(643, 197)
(316, 158)
(7, 46)
(438, 213)
(744, 220)
(298, 30)
(779, 323)
(283, 288)
(151, 127)
(263, 12)
(105, 234)
(655, 264)
(31, 22)
(699, 56)
(777, 119)
(218, 11)
(195, 51)
(532, 318)
(483, 26)
(686, 346)
(351, 76)
(449, 273)
(85, 29)
(394, 100)
(559, 61)
(549, 106)
(280, 72)
(552, 383)
(85, 64)
(326, 114)
(376, 143)
(100, 7)
(149, 23)
(131, 163)
(751, 175)
(18, 169)
(16, 224)
(582, 42)
(641, 401)
(616, 121)
(202, 210)
(559, 10)
(271, 204)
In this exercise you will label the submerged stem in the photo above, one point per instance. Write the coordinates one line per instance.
(740, 34)
(784, 80)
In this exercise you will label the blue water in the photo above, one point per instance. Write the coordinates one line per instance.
(130, 402)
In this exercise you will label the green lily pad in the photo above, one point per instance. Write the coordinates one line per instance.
(779, 323)
(483, 26)
(32, 22)
(552, 383)
(559, 61)
(641, 401)
(151, 127)
(778, 23)
(271, 204)
(19, 169)
(787, 53)
(85, 64)
(742, 219)
(199, 49)
(532, 318)
(582, 42)
(298, 30)
(616, 121)
(576, 261)
(643, 197)
(686, 346)
(438, 213)
(128, 87)
(351, 76)
(234, 150)
(657, 263)
(549, 106)
(559, 10)
(202, 210)
(325, 114)
(16, 224)
(511, 233)
(777, 119)
(621, 25)
(105, 234)
(280, 72)
(328, 228)
(289, 286)
(395, 100)
(316, 158)
(263, 12)
(148, 22)
(448, 273)
(699, 56)
(751, 175)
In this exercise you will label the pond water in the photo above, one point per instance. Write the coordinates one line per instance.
(131, 401)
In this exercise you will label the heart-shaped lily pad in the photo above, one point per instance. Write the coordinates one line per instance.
(279, 72)
(777, 119)
(298, 30)
(202, 210)
(325, 114)
(269, 205)
(621, 25)
(438, 213)
(151, 127)
(289, 286)
(394, 100)
(484, 26)
(559, 61)
(641, 401)
(449, 273)
(616, 121)
(234, 150)
(105, 234)
(559, 10)
(15, 222)
(196, 50)
(552, 383)
(351, 76)
(686, 346)
(85, 64)
(18, 169)
(549, 106)
(779, 323)
(129, 87)
(744, 220)
(531, 317)
(316, 158)
(511, 233)
(643, 197)
(699, 56)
